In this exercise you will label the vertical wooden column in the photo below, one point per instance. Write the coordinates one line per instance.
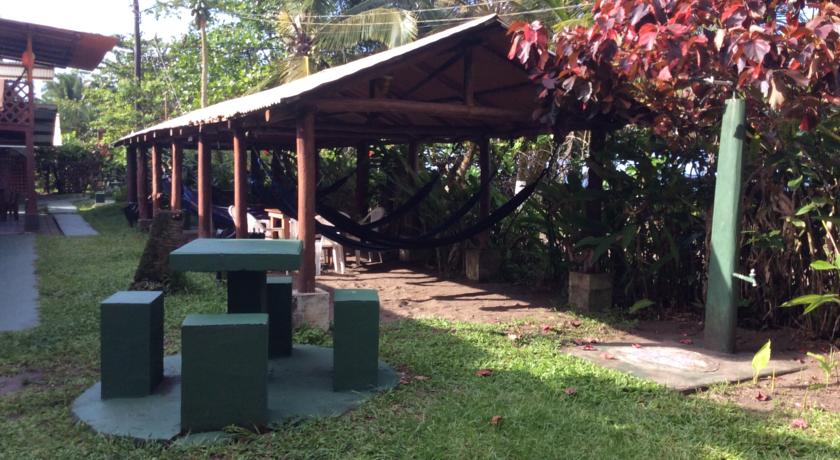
(240, 185)
(362, 177)
(131, 173)
(721, 291)
(142, 180)
(205, 184)
(177, 178)
(30, 222)
(306, 198)
(484, 199)
(157, 180)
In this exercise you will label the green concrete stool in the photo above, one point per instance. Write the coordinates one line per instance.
(279, 306)
(131, 343)
(224, 371)
(99, 197)
(355, 339)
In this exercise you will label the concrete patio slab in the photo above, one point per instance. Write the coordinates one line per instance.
(19, 300)
(685, 368)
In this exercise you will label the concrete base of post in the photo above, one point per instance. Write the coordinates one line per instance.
(311, 309)
(589, 292)
(482, 264)
(31, 223)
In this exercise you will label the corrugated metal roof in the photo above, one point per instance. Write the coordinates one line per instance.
(256, 102)
(54, 47)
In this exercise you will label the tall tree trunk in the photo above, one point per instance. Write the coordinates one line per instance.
(202, 26)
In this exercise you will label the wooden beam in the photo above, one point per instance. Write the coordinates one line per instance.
(142, 179)
(426, 108)
(157, 179)
(433, 74)
(240, 186)
(305, 147)
(177, 178)
(205, 205)
(131, 173)
(469, 77)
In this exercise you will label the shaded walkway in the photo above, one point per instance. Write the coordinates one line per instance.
(68, 219)
(18, 290)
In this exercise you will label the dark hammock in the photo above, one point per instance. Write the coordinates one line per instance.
(373, 240)
(221, 217)
(408, 205)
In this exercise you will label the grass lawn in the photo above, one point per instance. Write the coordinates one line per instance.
(446, 415)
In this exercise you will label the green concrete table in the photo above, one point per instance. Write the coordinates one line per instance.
(245, 261)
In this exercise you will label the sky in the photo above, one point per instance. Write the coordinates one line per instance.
(106, 17)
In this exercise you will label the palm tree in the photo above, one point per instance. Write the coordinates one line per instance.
(319, 33)
(200, 10)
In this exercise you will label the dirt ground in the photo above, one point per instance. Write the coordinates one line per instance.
(414, 293)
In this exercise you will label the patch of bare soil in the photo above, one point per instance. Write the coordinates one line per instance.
(15, 383)
(408, 293)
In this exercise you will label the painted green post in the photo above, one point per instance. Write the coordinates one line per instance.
(279, 309)
(355, 339)
(246, 291)
(721, 291)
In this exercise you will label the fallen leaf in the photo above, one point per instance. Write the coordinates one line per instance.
(547, 328)
(799, 423)
(687, 342)
(636, 345)
(484, 372)
(607, 356)
(762, 396)
(588, 347)
(422, 377)
(496, 419)
(570, 391)
(575, 323)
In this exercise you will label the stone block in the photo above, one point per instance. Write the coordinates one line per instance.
(131, 343)
(355, 339)
(482, 264)
(279, 309)
(590, 292)
(224, 371)
(311, 309)
(99, 197)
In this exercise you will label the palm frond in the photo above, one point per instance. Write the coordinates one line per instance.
(389, 26)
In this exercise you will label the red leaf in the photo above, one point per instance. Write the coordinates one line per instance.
(664, 74)
(687, 342)
(636, 345)
(570, 391)
(762, 396)
(647, 35)
(799, 423)
(575, 323)
(588, 347)
(547, 328)
(496, 419)
(756, 49)
(484, 372)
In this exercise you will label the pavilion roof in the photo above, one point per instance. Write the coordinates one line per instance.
(428, 73)
(54, 47)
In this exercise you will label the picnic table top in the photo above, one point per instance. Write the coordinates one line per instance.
(227, 255)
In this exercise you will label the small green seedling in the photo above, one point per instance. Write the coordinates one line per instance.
(761, 360)
(827, 364)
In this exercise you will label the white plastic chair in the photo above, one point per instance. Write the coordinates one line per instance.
(254, 224)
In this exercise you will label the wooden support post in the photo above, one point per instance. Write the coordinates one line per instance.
(205, 184)
(484, 201)
(362, 177)
(721, 291)
(240, 186)
(177, 179)
(131, 173)
(157, 180)
(142, 187)
(30, 222)
(306, 199)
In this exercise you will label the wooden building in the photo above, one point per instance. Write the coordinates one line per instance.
(29, 51)
(451, 86)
